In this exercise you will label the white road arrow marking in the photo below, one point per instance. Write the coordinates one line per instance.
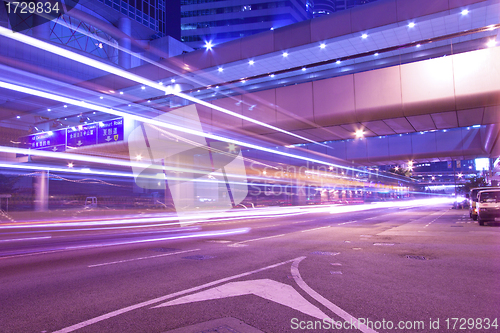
(54, 149)
(108, 138)
(268, 289)
(79, 143)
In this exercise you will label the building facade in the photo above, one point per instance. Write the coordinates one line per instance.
(216, 21)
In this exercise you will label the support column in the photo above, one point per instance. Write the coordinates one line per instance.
(124, 58)
(42, 191)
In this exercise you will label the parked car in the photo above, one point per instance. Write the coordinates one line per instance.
(473, 200)
(488, 205)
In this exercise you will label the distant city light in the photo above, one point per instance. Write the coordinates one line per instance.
(209, 45)
(364, 36)
(359, 133)
(460, 175)
(465, 12)
(482, 164)
(411, 24)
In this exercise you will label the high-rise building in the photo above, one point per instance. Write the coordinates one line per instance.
(212, 20)
(325, 7)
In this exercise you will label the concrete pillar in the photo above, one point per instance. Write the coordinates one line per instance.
(42, 191)
(125, 26)
(41, 27)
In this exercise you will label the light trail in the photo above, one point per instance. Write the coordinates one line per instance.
(83, 104)
(130, 76)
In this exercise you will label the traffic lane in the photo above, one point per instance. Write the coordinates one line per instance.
(237, 259)
(26, 242)
(377, 300)
(66, 274)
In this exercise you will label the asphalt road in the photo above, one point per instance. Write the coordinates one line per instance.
(400, 267)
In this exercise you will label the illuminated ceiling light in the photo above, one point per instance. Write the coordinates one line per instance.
(130, 105)
(411, 24)
(330, 168)
(149, 101)
(143, 87)
(337, 62)
(322, 45)
(251, 62)
(243, 80)
(410, 163)
(359, 133)
(272, 28)
(70, 164)
(433, 178)
(100, 97)
(172, 80)
(93, 112)
(465, 12)
(216, 87)
(418, 45)
(272, 75)
(49, 110)
(303, 69)
(460, 175)
(138, 157)
(285, 54)
(376, 54)
(364, 36)
(396, 168)
(491, 43)
(18, 117)
(209, 45)
(121, 92)
(160, 83)
(112, 91)
(65, 106)
(491, 27)
(220, 69)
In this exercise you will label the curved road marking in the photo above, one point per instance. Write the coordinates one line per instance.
(166, 297)
(332, 307)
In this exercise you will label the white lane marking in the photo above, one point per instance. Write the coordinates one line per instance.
(347, 222)
(278, 292)
(383, 244)
(142, 258)
(332, 307)
(335, 272)
(256, 239)
(315, 229)
(30, 254)
(166, 297)
(336, 264)
(23, 239)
